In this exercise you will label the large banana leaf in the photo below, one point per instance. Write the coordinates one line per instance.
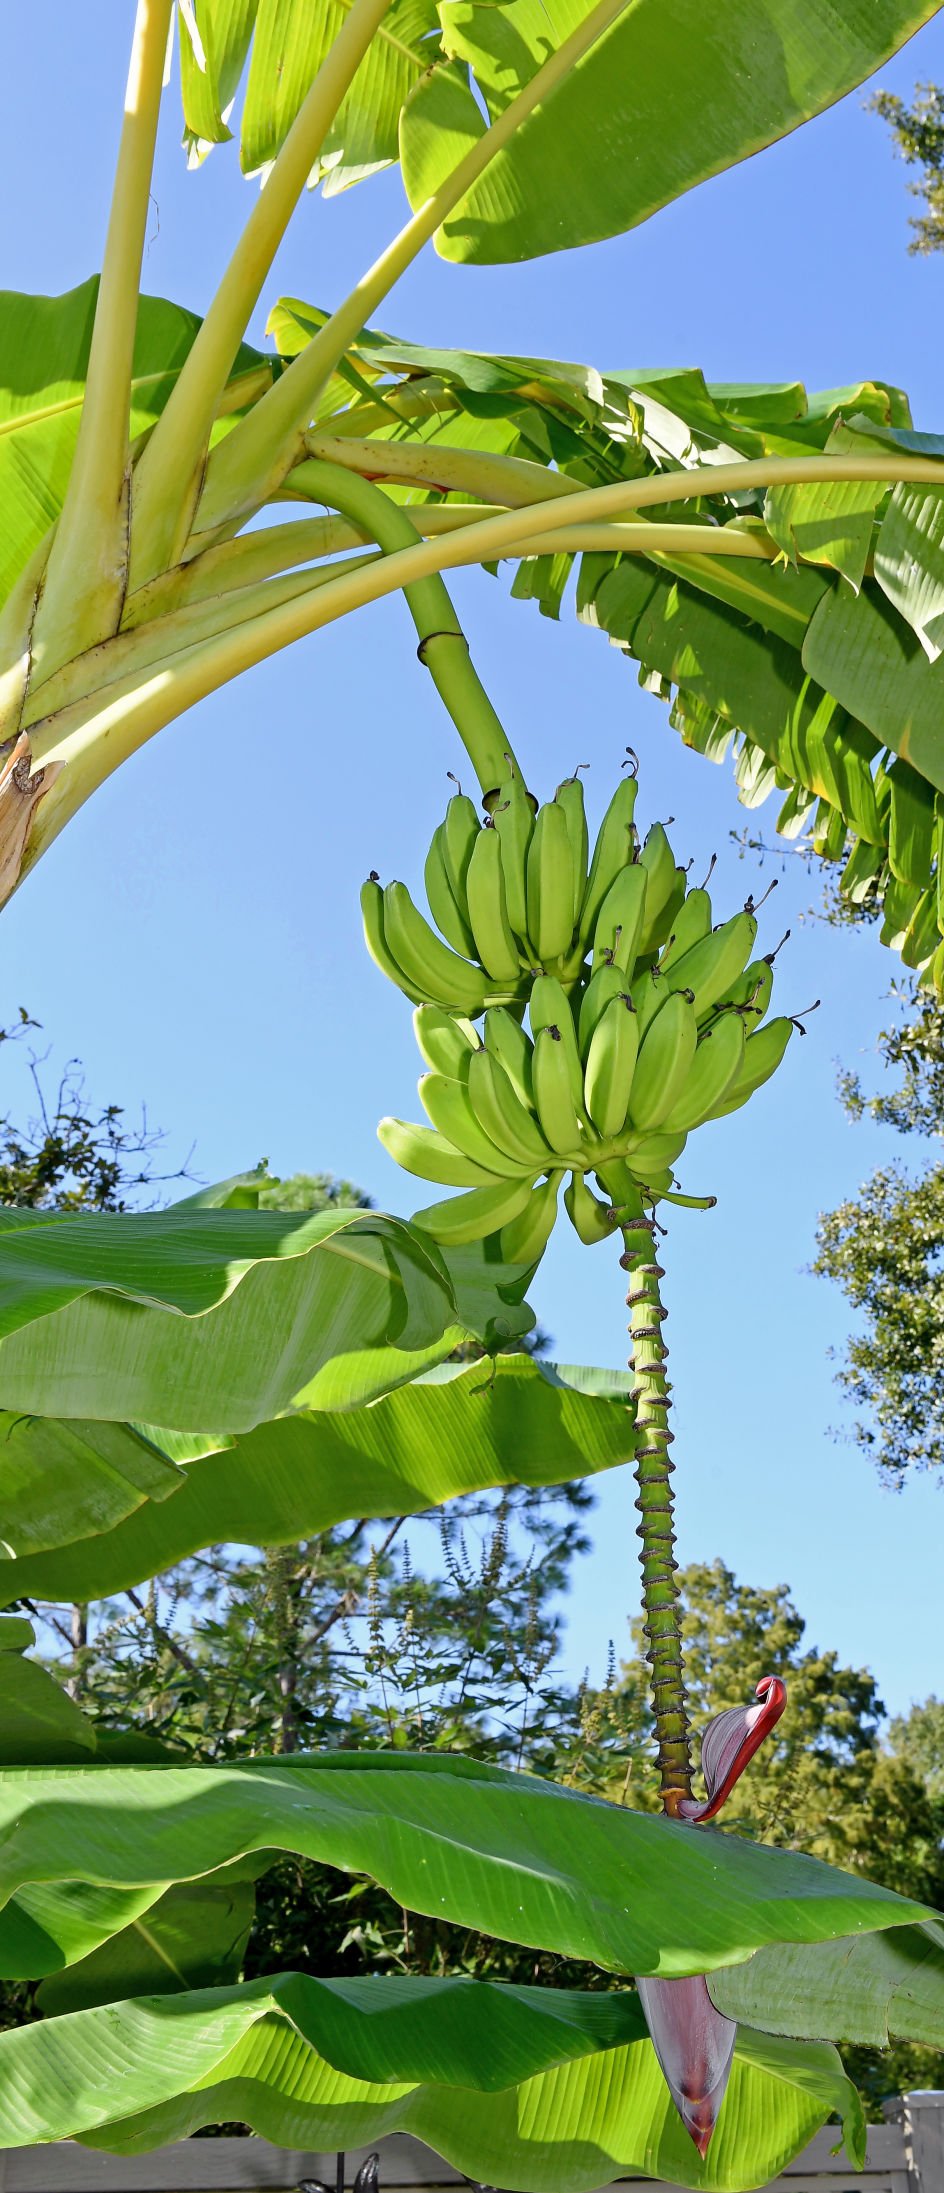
(197, 1319)
(515, 1856)
(881, 1987)
(39, 1723)
(548, 2091)
(672, 91)
(44, 352)
(479, 1426)
(193, 1937)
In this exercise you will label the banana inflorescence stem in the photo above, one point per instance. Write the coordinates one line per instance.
(656, 1532)
(443, 646)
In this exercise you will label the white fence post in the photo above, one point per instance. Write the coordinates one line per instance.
(922, 2122)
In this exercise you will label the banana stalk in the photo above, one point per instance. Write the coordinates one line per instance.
(653, 1472)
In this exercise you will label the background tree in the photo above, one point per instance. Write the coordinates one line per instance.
(883, 1247)
(918, 133)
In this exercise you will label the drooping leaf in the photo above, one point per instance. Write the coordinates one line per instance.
(909, 561)
(44, 352)
(194, 1936)
(671, 93)
(61, 1481)
(209, 1318)
(478, 1426)
(38, 1722)
(829, 524)
(510, 1854)
(871, 1990)
(877, 668)
(288, 45)
(549, 2091)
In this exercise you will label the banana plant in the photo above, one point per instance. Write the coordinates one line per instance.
(140, 447)
(647, 1019)
(151, 441)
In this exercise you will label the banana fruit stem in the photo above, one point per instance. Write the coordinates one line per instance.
(656, 1531)
(443, 646)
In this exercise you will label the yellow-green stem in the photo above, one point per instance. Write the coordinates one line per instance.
(94, 736)
(87, 570)
(168, 479)
(508, 480)
(443, 646)
(247, 467)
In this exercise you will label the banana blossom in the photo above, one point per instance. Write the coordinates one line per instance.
(693, 2042)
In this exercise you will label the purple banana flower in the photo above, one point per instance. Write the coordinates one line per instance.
(693, 2042)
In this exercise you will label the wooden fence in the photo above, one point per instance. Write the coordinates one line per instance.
(906, 2155)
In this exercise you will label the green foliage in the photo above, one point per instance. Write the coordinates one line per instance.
(918, 133)
(918, 1736)
(546, 2091)
(541, 193)
(883, 1247)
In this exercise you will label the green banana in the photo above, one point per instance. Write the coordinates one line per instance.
(589, 1217)
(648, 1154)
(372, 909)
(692, 922)
(513, 819)
(666, 1053)
(613, 851)
(650, 992)
(448, 1106)
(444, 1042)
(610, 1064)
(608, 983)
(549, 1007)
(437, 975)
(502, 1115)
(621, 920)
(762, 1055)
(553, 1093)
(709, 967)
(506, 1042)
(569, 796)
(421, 1150)
(525, 1239)
(460, 831)
(485, 893)
(666, 888)
(447, 914)
(550, 884)
(474, 1216)
(717, 1059)
(751, 993)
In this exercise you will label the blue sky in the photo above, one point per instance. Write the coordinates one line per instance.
(195, 935)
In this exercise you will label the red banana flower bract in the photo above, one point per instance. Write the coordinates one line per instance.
(693, 2042)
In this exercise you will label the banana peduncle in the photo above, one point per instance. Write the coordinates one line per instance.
(648, 1355)
(437, 626)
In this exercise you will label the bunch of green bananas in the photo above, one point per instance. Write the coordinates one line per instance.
(519, 896)
(616, 1072)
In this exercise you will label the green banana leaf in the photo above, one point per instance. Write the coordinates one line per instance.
(550, 2091)
(194, 1936)
(670, 93)
(194, 1319)
(878, 1988)
(481, 1425)
(510, 1854)
(673, 92)
(39, 1723)
(44, 352)
(288, 48)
